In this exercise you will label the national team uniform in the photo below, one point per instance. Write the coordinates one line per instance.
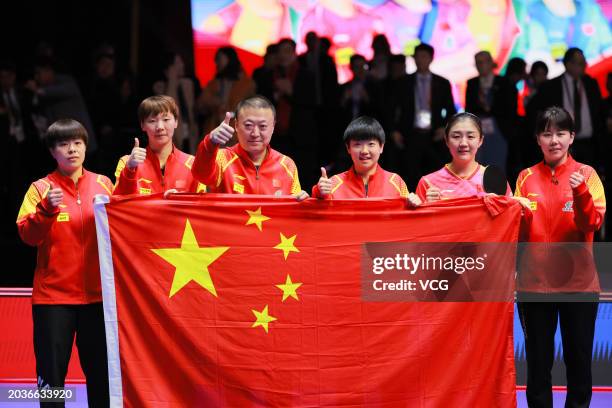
(148, 177)
(453, 186)
(350, 185)
(559, 214)
(231, 171)
(66, 295)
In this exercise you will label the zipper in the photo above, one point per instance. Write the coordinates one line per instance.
(79, 202)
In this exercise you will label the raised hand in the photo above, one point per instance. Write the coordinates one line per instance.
(224, 132)
(324, 184)
(55, 196)
(137, 156)
(433, 193)
(576, 179)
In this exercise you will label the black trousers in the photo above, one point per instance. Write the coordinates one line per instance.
(577, 322)
(55, 327)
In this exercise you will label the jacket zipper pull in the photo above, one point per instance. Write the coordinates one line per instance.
(78, 198)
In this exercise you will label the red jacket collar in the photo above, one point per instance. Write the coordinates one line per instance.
(560, 169)
(377, 177)
(270, 153)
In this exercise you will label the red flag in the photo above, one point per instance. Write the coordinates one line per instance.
(256, 301)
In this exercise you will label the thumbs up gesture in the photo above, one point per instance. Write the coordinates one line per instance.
(137, 156)
(55, 196)
(324, 184)
(224, 132)
(433, 193)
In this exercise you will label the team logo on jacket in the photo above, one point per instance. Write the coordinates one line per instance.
(63, 217)
(568, 207)
(239, 188)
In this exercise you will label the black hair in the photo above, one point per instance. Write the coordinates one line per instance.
(570, 53)
(65, 129)
(355, 57)
(397, 59)
(516, 65)
(554, 117)
(364, 128)
(425, 48)
(233, 68)
(256, 102)
(538, 65)
(458, 117)
(287, 41)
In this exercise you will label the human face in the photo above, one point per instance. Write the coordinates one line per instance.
(69, 155)
(554, 144)
(221, 61)
(484, 64)
(365, 154)
(576, 66)
(422, 60)
(254, 128)
(463, 141)
(159, 129)
(286, 54)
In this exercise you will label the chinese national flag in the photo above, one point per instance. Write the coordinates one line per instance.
(256, 301)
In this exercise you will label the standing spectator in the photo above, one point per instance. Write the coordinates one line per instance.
(516, 74)
(538, 75)
(230, 86)
(493, 100)
(105, 104)
(263, 75)
(57, 217)
(427, 106)
(295, 99)
(579, 94)
(322, 67)
(183, 90)
(20, 143)
(58, 96)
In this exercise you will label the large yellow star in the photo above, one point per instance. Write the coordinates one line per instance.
(191, 262)
(286, 245)
(263, 318)
(289, 288)
(257, 218)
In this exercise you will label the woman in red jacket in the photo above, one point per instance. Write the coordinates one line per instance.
(57, 217)
(559, 282)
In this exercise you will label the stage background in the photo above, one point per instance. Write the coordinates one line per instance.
(530, 29)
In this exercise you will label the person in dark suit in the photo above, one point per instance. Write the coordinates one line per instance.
(418, 132)
(579, 94)
(494, 100)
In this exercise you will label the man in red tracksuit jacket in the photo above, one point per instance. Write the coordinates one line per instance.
(365, 139)
(251, 166)
(161, 167)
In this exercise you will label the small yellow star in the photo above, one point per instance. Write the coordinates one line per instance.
(289, 288)
(257, 218)
(286, 245)
(191, 262)
(263, 318)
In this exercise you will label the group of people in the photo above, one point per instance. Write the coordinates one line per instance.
(236, 158)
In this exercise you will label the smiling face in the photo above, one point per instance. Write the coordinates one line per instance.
(365, 154)
(69, 155)
(463, 141)
(555, 144)
(254, 128)
(159, 129)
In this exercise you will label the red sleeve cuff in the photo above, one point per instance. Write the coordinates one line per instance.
(581, 189)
